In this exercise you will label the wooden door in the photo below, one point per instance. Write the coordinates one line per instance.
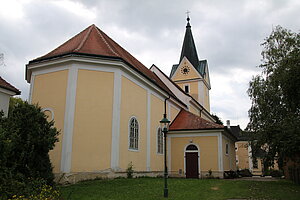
(191, 165)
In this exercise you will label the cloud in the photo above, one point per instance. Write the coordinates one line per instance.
(227, 33)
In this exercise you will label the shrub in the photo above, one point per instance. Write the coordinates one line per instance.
(273, 173)
(26, 137)
(230, 174)
(129, 170)
(244, 173)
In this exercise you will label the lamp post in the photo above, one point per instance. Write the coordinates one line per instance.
(164, 127)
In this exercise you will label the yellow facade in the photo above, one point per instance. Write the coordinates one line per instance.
(178, 76)
(242, 155)
(91, 147)
(133, 104)
(49, 91)
(208, 150)
(174, 111)
(157, 106)
(193, 86)
(228, 155)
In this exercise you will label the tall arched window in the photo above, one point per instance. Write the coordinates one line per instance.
(160, 141)
(133, 134)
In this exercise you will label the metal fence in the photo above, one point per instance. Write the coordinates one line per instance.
(294, 174)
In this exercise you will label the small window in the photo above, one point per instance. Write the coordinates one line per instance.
(186, 88)
(227, 149)
(133, 134)
(160, 142)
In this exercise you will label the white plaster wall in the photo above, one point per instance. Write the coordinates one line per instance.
(4, 102)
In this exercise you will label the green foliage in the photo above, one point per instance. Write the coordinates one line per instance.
(26, 137)
(218, 119)
(275, 94)
(273, 173)
(129, 170)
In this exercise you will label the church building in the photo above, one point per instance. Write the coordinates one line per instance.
(108, 106)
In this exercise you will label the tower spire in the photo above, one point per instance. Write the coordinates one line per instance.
(189, 48)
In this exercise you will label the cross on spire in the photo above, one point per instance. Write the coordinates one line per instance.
(187, 15)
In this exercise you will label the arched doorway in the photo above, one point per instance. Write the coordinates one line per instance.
(192, 161)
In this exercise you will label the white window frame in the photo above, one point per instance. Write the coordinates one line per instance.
(136, 143)
(158, 145)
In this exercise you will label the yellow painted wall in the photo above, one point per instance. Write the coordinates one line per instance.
(229, 162)
(242, 155)
(193, 86)
(49, 91)
(208, 152)
(180, 76)
(157, 109)
(91, 148)
(206, 99)
(133, 103)
(174, 112)
(194, 110)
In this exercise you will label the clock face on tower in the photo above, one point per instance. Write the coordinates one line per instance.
(185, 70)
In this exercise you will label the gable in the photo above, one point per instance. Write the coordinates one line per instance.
(185, 70)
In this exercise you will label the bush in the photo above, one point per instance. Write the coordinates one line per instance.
(129, 170)
(244, 173)
(273, 173)
(230, 174)
(26, 137)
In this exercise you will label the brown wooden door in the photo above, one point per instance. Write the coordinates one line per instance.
(191, 165)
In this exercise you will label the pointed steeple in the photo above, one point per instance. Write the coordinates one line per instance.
(188, 47)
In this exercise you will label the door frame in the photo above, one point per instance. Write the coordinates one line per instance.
(184, 160)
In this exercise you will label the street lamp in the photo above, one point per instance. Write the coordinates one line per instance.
(164, 123)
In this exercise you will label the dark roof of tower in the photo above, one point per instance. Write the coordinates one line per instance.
(190, 52)
(189, 47)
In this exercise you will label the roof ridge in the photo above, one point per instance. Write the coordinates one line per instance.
(85, 38)
(98, 31)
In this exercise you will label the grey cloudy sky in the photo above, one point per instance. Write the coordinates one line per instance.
(227, 33)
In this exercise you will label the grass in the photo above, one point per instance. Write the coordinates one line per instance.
(152, 188)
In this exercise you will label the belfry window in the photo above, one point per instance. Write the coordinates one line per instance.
(160, 142)
(133, 134)
(186, 88)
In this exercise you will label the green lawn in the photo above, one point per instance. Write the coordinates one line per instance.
(152, 188)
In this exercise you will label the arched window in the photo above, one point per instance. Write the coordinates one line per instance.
(191, 148)
(133, 134)
(160, 141)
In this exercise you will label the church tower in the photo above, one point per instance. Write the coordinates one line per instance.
(191, 74)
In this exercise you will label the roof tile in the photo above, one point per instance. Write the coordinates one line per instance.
(93, 41)
(4, 84)
(189, 121)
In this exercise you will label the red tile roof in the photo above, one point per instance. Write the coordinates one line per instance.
(94, 42)
(189, 121)
(8, 86)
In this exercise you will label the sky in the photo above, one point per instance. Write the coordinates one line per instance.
(228, 33)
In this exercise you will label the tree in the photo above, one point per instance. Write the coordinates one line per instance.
(275, 94)
(218, 119)
(26, 137)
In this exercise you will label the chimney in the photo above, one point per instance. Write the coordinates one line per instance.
(228, 123)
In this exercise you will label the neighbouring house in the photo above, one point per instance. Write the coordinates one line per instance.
(6, 91)
(108, 105)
